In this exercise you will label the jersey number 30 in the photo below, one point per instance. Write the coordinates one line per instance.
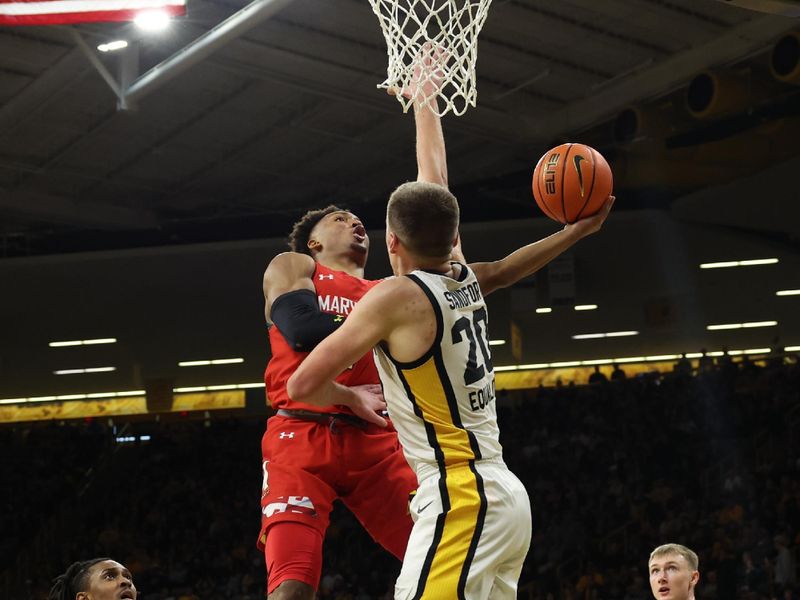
(477, 338)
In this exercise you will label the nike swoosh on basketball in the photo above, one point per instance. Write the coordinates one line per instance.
(419, 510)
(578, 158)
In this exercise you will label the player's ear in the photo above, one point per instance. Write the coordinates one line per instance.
(392, 242)
(82, 596)
(313, 245)
(695, 578)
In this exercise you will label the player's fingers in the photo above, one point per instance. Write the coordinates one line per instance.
(374, 418)
(607, 206)
(374, 389)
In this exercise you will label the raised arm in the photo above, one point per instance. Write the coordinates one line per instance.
(290, 302)
(527, 260)
(431, 152)
(431, 155)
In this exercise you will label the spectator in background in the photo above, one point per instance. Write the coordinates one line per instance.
(598, 377)
(590, 583)
(706, 363)
(683, 368)
(785, 566)
(95, 579)
(617, 374)
(673, 572)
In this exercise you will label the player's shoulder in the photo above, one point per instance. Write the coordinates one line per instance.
(396, 290)
(291, 262)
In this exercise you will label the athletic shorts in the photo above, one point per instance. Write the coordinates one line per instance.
(471, 533)
(307, 465)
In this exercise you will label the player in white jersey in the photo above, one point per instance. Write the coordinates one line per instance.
(472, 520)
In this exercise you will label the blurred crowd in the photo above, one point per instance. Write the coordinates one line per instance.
(708, 458)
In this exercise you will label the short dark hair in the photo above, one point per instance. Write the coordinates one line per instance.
(301, 231)
(425, 218)
(73, 580)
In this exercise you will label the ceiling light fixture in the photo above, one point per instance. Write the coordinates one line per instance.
(497, 342)
(610, 334)
(83, 342)
(544, 310)
(787, 293)
(113, 46)
(585, 307)
(739, 263)
(749, 325)
(215, 361)
(83, 371)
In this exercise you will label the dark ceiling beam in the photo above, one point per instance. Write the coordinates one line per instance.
(678, 10)
(587, 26)
(171, 134)
(788, 8)
(67, 211)
(11, 164)
(495, 126)
(42, 91)
(731, 204)
(735, 45)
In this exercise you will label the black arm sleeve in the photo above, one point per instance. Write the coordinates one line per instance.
(303, 325)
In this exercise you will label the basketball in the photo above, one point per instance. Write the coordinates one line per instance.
(571, 181)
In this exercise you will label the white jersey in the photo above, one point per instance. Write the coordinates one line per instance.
(443, 405)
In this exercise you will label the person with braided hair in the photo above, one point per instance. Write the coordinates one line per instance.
(94, 579)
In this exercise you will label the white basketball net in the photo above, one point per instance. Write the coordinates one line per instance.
(433, 48)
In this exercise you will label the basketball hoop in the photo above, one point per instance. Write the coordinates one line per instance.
(433, 48)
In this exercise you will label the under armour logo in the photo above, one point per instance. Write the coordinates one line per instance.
(286, 434)
(323, 276)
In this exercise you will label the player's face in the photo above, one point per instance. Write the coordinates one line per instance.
(341, 231)
(109, 580)
(671, 578)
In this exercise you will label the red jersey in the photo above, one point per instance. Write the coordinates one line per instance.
(337, 293)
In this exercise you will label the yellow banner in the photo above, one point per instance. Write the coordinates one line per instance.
(208, 401)
(116, 407)
(73, 409)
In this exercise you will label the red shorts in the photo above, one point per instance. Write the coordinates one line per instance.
(307, 465)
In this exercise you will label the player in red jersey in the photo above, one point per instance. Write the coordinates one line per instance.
(312, 456)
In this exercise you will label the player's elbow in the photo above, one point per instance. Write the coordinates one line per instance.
(299, 388)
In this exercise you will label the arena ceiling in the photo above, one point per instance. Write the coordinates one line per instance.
(287, 116)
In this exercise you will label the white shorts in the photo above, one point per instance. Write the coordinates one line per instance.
(471, 533)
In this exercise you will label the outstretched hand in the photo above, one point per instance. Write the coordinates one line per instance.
(429, 72)
(590, 225)
(366, 402)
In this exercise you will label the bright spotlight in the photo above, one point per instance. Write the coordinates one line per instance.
(152, 20)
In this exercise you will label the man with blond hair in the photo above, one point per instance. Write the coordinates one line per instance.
(673, 572)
